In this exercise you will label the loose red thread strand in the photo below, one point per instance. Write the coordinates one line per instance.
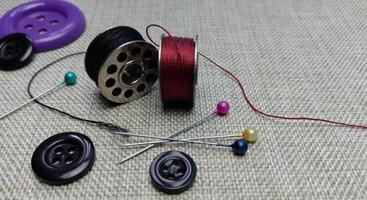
(249, 103)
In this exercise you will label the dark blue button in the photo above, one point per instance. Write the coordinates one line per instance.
(16, 51)
(173, 172)
(63, 158)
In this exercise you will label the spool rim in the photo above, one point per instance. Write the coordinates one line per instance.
(159, 64)
(196, 66)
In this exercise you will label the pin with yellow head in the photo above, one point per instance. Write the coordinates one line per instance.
(250, 135)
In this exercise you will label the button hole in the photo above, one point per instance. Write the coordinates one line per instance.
(28, 26)
(58, 151)
(54, 22)
(68, 160)
(41, 18)
(42, 31)
(71, 150)
(56, 161)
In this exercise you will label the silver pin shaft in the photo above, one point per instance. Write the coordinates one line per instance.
(29, 101)
(169, 139)
(164, 141)
(170, 136)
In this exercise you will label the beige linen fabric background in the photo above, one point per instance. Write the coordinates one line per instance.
(295, 57)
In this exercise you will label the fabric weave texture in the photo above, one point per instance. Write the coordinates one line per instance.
(295, 58)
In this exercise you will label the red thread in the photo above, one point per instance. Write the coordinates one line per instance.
(256, 110)
(177, 62)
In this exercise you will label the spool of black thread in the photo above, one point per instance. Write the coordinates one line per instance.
(122, 64)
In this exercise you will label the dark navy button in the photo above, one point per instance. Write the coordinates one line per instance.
(16, 51)
(173, 172)
(63, 158)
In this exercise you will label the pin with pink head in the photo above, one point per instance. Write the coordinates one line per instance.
(223, 108)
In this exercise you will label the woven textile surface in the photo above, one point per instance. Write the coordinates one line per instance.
(295, 58)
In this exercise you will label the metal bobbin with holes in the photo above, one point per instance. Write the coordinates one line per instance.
(123, 65)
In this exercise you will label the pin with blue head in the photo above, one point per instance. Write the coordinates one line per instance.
(240, 147)
(70, 78)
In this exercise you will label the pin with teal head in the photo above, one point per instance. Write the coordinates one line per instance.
(70, 78)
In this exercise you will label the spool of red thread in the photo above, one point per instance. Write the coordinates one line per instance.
(178, 67)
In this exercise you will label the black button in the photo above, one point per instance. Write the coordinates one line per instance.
(63, 158)
(173, 172)
(16, 51)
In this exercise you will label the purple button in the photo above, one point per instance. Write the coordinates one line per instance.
(50, 24)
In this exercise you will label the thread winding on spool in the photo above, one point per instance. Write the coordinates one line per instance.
(178, 66)
(123, 65)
